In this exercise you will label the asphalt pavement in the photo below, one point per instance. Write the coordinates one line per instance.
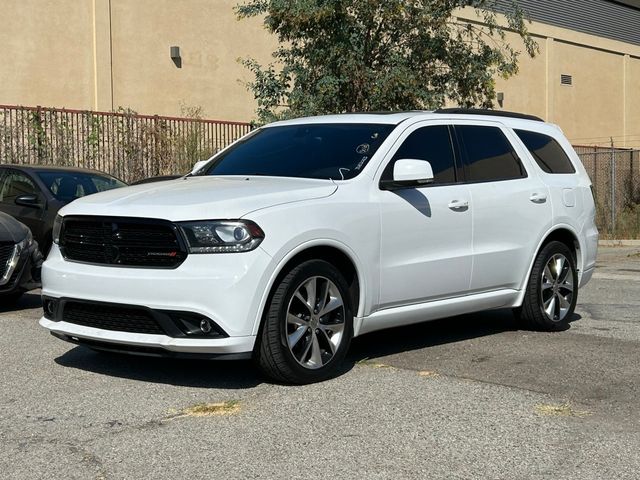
(460, 398)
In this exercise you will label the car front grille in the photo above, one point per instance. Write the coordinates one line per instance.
(111, 317)
(122, 241)
(6, 252)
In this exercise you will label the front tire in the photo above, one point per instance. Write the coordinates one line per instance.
(308, 325)
(552, 291)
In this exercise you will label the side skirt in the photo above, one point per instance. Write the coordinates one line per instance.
(423, 312)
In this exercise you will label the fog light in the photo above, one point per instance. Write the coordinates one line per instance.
(205, 326)
(50, 306)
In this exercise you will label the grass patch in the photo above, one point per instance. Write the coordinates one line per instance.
(560, 410)
(218, 409)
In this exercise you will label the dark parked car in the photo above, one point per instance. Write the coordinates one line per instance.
(34, 194)
(20, 259)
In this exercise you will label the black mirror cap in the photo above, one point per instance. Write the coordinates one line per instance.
(399, 185)
(29, 200)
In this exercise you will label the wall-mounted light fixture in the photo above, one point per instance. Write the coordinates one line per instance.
(500, 98)
(175, 56)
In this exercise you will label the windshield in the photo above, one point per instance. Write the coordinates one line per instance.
(326, 151)
(67, 186)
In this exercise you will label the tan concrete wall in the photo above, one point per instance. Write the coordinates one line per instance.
(46, 53)
(526, 92)
(632, 103)
(211, 40)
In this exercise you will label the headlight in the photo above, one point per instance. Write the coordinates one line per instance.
(57, 227)
(25, 243)
(221, 236)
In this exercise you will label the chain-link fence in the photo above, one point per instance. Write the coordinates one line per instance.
(124, 144)
(615, 175)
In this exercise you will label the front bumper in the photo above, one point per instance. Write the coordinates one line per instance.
(226, 288)
(152, 345)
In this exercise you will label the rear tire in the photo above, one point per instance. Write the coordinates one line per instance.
(308, 325)
(552, 290)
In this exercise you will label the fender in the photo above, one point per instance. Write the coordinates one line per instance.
(560, 226)
(320, 242)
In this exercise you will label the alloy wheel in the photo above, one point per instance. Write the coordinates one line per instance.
(315, 322)
(557, 287)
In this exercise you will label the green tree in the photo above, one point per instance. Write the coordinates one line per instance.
(368, 55)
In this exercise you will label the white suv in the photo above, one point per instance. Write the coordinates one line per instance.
(306, 233)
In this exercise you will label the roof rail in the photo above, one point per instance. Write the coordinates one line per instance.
(482, 111)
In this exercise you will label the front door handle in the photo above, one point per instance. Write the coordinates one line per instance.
(538, 197)
(459, 204)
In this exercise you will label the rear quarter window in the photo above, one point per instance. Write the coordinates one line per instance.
(547, 152)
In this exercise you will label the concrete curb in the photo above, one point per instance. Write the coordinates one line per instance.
(619, 243)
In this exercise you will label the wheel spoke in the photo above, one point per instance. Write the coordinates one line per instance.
(547, 285)
(550, 306)
(548, 274)
(316, 353)
(559, 267)
(295, 320)
(322, 297)
(327, 340)
(563, 302)
(297, 334)
(332, 304)
(302, 358)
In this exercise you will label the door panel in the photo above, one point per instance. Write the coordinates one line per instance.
(425, 245)
(511, 206)
(426, 248)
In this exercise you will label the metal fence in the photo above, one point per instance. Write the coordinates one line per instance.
(124, 144)
(615, 175)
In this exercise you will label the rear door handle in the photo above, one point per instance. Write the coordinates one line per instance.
(459, 204)
(538, 197)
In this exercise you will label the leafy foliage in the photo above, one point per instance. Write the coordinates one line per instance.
(368, 55)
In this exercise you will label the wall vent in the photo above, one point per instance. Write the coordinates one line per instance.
(566, 80)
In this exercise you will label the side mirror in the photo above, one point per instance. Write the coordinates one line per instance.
(29, 200)
(408, 173)
(199, 165)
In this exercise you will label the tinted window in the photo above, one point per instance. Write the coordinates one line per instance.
(67, 186)
(547, 153)
(488, 154)
(327, 151)
(432, 144)
(15, 184)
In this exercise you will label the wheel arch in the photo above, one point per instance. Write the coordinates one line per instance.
(564, 234)
(333, 252)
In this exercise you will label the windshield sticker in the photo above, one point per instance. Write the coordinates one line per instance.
(361, 163)
(363, 149)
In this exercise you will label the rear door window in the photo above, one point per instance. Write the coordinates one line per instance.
(546, 151)
(432, 144)
(488, 155)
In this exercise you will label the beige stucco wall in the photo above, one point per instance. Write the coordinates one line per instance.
(211, 39)
(101, 55)
(46, 54)
(105, 54)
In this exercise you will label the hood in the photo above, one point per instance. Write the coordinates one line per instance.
(200, 198)
(11, 230)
